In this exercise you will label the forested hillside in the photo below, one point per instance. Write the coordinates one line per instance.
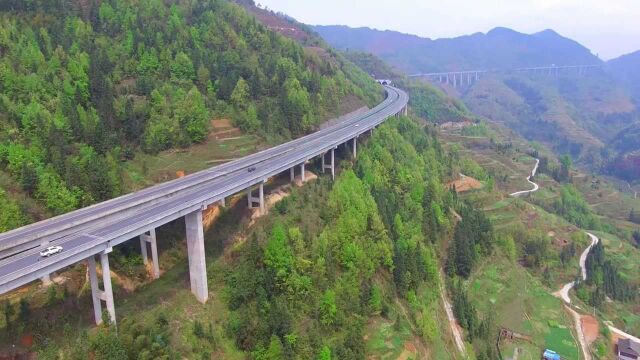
(319, 281)
(85, 86)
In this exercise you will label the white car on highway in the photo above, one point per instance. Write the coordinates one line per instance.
(51, 250)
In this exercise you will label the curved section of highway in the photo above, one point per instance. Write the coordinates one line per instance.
(95, 229)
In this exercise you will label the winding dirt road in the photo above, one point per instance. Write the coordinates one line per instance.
(535, 186)
(564, 295)
(564, 292)
(455, 328)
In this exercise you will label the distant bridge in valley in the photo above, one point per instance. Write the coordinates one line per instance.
(468, 77)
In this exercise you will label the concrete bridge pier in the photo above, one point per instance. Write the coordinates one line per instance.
(331, 165)
(150, 238)
(302, 172)
(260, 199)
(98, 295)
(292, 173)
(195, 252)
(355, 147)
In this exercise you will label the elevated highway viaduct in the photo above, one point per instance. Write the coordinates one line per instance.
(92, 232)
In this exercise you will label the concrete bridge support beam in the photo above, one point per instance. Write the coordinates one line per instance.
(98, 295)
(355, 147)
(333, 163)
(150, 239)
(195, 251)
(330, 166)
(302, 175)
(292, 173)
(253, 200)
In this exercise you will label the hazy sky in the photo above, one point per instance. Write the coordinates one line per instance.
(608, 27)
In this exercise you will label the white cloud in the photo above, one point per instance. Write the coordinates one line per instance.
(608, 27)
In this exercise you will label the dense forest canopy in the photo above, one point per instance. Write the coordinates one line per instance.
(86, 85)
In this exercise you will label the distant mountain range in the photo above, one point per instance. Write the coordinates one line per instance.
(500, 48)
(626, 69)
(580, 116)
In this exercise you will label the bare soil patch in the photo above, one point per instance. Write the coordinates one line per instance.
(590, 327)
(465, 183)
(221, 123)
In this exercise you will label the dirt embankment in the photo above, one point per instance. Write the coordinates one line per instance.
(465, 183)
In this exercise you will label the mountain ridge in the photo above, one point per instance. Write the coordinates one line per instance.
(500, 47)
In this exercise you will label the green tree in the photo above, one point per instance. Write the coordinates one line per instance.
(24, 310)
(277, 254)
(240, 95)
(193, 115)
(8, 311)
(182, 67)
(328, 308)
(325, 353)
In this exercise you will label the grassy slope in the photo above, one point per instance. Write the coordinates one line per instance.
(574, 114)
(493, 285)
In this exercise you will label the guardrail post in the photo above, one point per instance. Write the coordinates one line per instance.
(195, 250)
